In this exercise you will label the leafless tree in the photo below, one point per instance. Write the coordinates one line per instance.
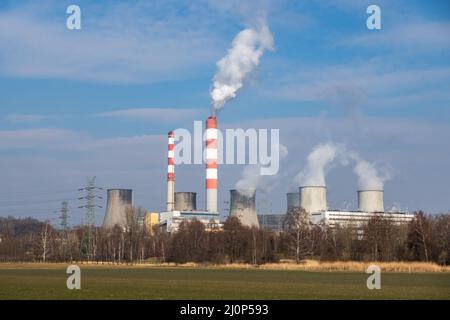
(44, 238)
(298, 227)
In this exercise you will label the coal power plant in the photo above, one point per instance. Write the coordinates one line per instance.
(182, 206)
(243, 206)
(119, 205)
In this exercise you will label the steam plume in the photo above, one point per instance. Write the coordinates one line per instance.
(251, 179)
(369, 178)
(319, 162)
(247, 48)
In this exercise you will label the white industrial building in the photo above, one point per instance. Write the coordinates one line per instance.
(370, 204)
(356, 218)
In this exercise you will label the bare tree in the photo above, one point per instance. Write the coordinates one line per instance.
(297, 226)
(45, 240)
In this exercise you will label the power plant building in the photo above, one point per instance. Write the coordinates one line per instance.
(370, 205)
(243, 206)
(118, 208)
(170, 221)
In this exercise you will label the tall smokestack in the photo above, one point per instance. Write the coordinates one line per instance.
(211, 164)
(370, 200)
(313, 198)
(170, 173)
(243, 206)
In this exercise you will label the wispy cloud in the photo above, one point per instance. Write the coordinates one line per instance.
(46, 138)
(419, 36)
(125, 43)
(27, 118)
(366, 83)
(155, 114)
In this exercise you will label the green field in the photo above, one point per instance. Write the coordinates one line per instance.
(204, 283)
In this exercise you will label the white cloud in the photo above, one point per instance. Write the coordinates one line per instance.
(28, 118)
(416, 35)
(372, 83)
(45, 138)
(118, 44)
(155, 114)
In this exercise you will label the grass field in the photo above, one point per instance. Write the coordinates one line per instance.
(110, 282)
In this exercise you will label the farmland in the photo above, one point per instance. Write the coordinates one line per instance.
(48, 281)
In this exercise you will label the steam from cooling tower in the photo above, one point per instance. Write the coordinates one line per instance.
(319, 162)
(369, 177)
(247, 48)
(252, 180)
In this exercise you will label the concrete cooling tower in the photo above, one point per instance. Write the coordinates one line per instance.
(185, 201)
(370, 200)
(118, 206)
(313, 198)
(244, 207)
(293, 200)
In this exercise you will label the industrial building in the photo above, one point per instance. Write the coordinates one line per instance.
(370, 204)
(151, 219)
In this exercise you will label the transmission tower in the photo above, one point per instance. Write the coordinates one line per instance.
(90, 198)
(64, 216)
(90, 206)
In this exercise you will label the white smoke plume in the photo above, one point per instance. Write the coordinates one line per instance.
(369, 177)
(319, 162)
(247, 48)
(252, 180)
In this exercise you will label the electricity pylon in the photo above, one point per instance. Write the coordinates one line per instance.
(90, 206)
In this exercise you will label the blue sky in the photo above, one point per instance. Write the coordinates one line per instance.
(384, 93)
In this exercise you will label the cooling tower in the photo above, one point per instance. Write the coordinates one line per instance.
(118, 206)
(370, 200)
(244, 207)
(293, 200)
(211, 164)
(313, 198)
(185, 201)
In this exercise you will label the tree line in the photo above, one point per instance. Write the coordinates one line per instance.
(426, 238)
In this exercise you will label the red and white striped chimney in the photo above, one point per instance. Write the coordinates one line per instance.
(211, 164)
(170, 173)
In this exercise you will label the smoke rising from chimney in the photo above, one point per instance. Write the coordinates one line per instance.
(247, 48)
